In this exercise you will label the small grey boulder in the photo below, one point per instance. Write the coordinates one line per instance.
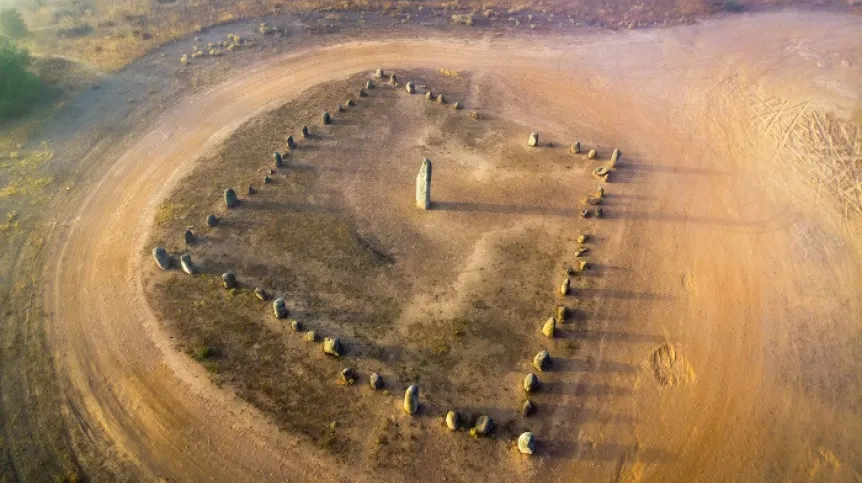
(228, 279)
(532, 383)
(411, 399)
(453, 420)
(186, 264)
(189, 237)
(542, 361)
(332, 346)
(375, 380)
(348, 375)
(230, 199)
(528, 408)
(484, 425)
(163, 260)
(526, 443)
(212, 221)
(279, 308)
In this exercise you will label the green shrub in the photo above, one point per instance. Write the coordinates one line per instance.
(12, 24)
(19, 87)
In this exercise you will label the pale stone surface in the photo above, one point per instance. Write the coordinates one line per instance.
(483, 426)
(423, 185)
(531, 383)
(279, 308)
(186, 264)
(542, 361)
(526, 443)
(163, 260)
(453, 420)
(375, 380)
(528, 408)
(549, 328)
(534, 139)
(332, 346)
(228, 279)
(411, 399)
(230, 199)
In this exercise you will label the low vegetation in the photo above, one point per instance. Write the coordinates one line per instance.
(19, 88)
(12, 24)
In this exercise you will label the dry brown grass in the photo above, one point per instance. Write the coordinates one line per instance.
(110, 35)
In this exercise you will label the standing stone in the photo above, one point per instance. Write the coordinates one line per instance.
(305, 132)
(542, 361)
(528, 408)
(483, 426)
(278, 161)
(332, 346)
(350, 103)
(369, 85)
(279, 308)
(251, 190)
(267, 180)
(230, 199)
(393, 79)
(311, 336)
(441, 99)
(375, 380)
(423, 185)
(592, 154)
(163, 260)
(615, 156)
(410, 87)
(562, 312)
(261, 294)
(453, 420)
(531, 383)
(411, 399)
(212, 221)
(186, 264)
(291, 143)
(549, 328)
(339, 108)
(228, 279)
(526, 443)
(348, 375)
(327, 119)
(379, 74)
(576, 148)
(599, 212)
(564, 287)
(457, 105)
(189, 237)
(534, 139)
(362, 93)
(296, 325)
(429, 96)
(582, 238)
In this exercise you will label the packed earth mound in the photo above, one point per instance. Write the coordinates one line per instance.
(456, 298)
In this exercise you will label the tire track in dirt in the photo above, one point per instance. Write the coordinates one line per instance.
(162, 413)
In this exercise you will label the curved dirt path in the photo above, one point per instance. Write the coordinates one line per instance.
(691, 200)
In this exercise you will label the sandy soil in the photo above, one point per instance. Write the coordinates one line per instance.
(725, 340)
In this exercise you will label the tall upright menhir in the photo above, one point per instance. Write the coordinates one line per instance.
(423, 185)
(534, 139)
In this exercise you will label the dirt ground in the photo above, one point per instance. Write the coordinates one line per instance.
(722, 333)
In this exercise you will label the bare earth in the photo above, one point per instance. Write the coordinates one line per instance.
(724, 335)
